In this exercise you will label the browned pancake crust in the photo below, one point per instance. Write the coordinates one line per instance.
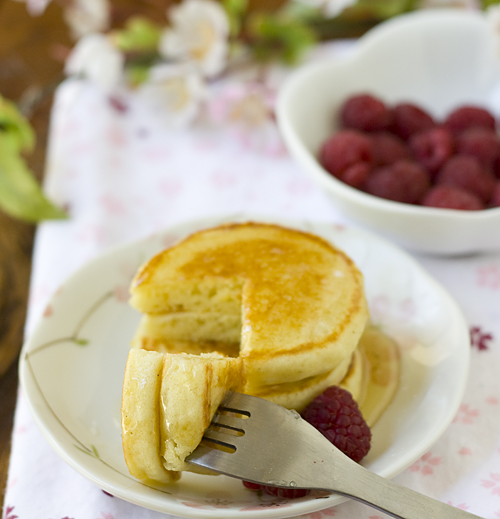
(302, 300)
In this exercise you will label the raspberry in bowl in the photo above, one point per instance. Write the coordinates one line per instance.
(425, 102)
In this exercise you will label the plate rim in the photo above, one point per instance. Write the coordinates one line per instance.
(27, 380)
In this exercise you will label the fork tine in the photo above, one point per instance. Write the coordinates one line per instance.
(235, 423)
(239, 403)
(222, 438)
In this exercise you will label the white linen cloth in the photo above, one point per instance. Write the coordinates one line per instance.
(124, 175)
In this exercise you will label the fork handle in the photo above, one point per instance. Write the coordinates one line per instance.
(394, 499)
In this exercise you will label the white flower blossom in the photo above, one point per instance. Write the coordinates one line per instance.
(175, 92)
(198, 34)
(330, 8)
(247, 111)
(36, 7)
(87, 16)
(95, 58)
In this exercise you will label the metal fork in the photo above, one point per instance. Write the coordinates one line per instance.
(265, 443)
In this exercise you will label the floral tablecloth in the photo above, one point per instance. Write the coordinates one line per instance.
(123, 175)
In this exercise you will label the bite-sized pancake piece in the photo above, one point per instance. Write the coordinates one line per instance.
(300, 299)
(141, 417)
(382, 353)
(168, 402)
(357, 377)
(192, 388)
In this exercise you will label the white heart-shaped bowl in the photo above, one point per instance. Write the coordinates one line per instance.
(439, 59)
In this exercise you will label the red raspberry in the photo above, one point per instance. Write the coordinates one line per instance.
(345, 149)
(466, 172)
(449, 197)
(404, 181)
(495, 198)
(409, 119)
(366, 113)
(495, 168)
(432, 147)
(252, 486)
(287, 493)
(481, 143)
(388, 148)
(466, 117)
(356, 175)
(336, 415)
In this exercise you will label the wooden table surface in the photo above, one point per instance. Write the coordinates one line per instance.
(26, 65)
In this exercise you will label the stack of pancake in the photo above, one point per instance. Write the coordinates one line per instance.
(284, 308)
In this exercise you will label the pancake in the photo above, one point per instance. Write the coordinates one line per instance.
(383, 357)
(168, 401)
(296, 395)
(357, 377)
(189, 327)
(371, 376)
(300, 301)
(192, 388)
(140, 414)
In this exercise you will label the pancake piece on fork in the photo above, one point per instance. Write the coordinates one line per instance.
(168, 401)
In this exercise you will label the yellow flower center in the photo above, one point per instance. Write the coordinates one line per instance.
(177, 95)
(205, 38)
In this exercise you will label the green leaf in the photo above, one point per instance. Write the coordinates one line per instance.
(302, 11)
(14, 128)
(137, 74)
(81, 342)
(235, 10)
(489, 3)
(383, 9)
(20, 194)
(281, 38)
(139, 35)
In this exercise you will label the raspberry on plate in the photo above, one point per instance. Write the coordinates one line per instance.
(432, 147)
(450, 197)
(336, 415)
(345, 149)
(409, 119)
(404, 181)
(366, 113)
(466, 172)
(388, 148)
(466, 117)
(480, 142)
(289, 493)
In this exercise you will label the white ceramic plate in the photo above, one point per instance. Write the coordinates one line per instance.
(72, 368)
